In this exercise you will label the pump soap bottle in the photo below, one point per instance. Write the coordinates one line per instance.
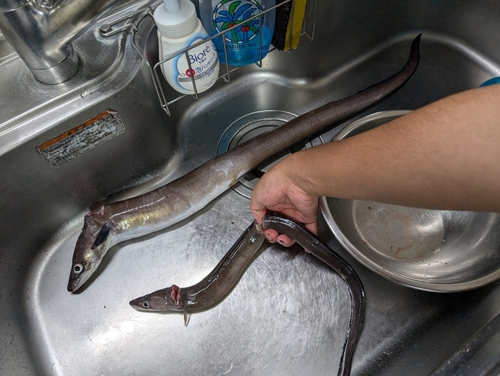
(179, 28)
(249, 37)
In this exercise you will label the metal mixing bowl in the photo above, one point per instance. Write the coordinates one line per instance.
(445, 251)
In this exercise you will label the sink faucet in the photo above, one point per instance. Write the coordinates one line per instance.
(42, 32)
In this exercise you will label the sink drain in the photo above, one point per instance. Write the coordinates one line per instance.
(249, 126)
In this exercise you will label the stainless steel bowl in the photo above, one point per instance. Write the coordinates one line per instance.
(445, 251)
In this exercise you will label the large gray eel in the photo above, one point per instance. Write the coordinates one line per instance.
(177, 200)
(212, 289)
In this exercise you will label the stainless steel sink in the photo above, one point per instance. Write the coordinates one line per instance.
(289, 313)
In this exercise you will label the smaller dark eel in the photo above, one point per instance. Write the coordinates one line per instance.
(330, 257)
(212, 289)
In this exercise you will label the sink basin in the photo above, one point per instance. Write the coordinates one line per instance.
(289, 313)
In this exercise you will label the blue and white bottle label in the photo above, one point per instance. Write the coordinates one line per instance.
(229, 13)
(204, 67)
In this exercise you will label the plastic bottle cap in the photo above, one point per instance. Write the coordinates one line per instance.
(176, 18)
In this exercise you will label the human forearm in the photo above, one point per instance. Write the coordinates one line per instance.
(445, 155)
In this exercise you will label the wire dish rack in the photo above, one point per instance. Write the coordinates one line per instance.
(130, 23)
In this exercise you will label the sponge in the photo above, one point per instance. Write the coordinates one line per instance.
(283, 25)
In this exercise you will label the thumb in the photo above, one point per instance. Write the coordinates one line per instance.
(258, 211)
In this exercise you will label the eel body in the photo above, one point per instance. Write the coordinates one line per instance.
(330, 257)
(177, 200)
(211, 290)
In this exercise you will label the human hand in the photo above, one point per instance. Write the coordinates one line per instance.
(278, 192)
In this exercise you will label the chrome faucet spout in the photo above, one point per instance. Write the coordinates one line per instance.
(42, 33)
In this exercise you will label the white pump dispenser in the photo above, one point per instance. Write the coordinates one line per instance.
(179, 28)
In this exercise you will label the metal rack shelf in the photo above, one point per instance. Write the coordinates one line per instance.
(130, 23)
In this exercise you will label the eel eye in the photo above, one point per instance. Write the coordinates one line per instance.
(78, 268)
(145, 304)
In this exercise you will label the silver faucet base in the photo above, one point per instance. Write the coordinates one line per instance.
(59, 73)
(42, 34)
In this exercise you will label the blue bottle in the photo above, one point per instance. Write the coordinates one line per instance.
(249, 37)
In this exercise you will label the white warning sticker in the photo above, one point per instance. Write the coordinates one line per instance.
(82, 138)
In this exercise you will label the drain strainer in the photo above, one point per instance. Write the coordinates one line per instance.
(249, 126)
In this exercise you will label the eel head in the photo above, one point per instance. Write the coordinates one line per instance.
(92, 244)
(164, 300)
